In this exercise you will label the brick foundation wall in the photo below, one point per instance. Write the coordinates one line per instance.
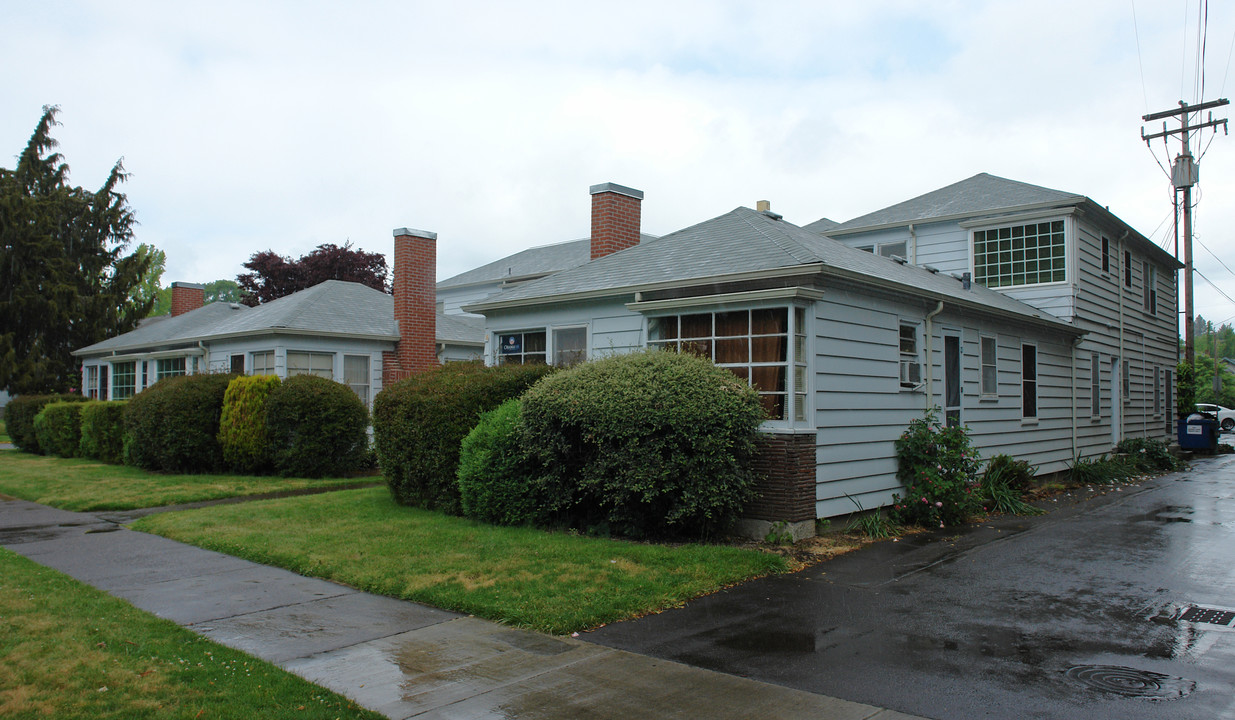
(415, 301)
(187, 297)
(615, 218)
(786, 464)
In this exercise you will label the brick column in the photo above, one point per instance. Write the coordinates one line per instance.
(415, 304)
(615, 218)
(187, 297)
(786, 490)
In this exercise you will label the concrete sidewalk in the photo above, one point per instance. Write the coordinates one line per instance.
(399, 658)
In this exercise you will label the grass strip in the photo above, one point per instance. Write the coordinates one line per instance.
(82, 485)
(554, 582)
(70, 651)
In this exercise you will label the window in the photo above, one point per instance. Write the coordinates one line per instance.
(90, 386)
(898, 249)
(124, 379)
(310, 363)
(1127, 268)
(752, 344)
(1157, 391)
(1168, 400)
(238, 364)
(990, 371)
(168, 367)
(1029, 381)
(911, 365)
(569, 346)
(1106, 255)
(356, 375)
(1150, 273)
(1126, 380)
(263, 363)
(143, 376)
(522, 348)
(1020, 255)
(799, 364)
(1095, 385)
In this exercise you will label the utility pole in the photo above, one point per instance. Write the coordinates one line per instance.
(1184, 174)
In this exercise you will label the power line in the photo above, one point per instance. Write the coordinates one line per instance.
(1140, 64)
(1215, 287)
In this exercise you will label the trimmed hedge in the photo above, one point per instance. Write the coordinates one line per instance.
(173, 425)
(58, 428)
(242, 424)
(651, 443)
(317, 428)
(102, 431)
(495, 484)
(420, 422)
(19, 416)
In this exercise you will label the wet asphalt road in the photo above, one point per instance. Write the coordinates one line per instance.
(1076, 614)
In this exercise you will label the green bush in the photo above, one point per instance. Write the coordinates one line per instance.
(1004, 484)
(495, 485)
(1148, 455)
(317, 428)
(58, 428)
(102, 431)
(19, 416)
(173, 425)
(651, 443)
(242, 424)
(939, 470)
(1101, 470)
(419, 424)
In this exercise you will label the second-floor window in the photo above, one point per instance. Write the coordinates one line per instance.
(1020, 255)
(1151, 286)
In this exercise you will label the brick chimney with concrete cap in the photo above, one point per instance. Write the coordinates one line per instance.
(187, 297)
(415, 301)
(615, 218)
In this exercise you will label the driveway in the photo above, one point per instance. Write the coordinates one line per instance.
(1077, 614)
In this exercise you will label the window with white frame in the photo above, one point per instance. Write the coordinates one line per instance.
(910, 361)
(990, 368)
(124, 379)
(90, 383)
(1095, 385)
(522, 348)
(1020, 255)
(892, 249)
(1157, 390)
(168, 367)
(320, 364)
(569, 346)
(263, 363)
(1126, 383)
(1150, 275)
(1167, 400)
(1106, 255)
(752, 344)
(356, 375)
(1029, 381)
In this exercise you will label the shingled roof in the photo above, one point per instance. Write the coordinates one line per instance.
(530, 263)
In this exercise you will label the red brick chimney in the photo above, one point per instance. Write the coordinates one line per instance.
(415, 296)
(187, 297)
(615, 218)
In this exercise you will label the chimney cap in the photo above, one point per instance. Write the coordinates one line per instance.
(402, 232)
(189, 285)
(615, 188)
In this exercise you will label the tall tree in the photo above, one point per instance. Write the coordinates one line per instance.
(65, 280)
(151, 285)
(274, 276)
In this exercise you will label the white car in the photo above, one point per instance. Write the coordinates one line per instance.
(1226, 416)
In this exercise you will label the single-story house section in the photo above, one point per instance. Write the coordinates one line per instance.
(845, 347)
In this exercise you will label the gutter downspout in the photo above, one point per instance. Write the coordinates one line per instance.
(1076, 343)
(1118, 382)
(930, 375)
(913, 251)
(205, 356)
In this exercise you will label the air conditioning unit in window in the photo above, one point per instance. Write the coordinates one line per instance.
(911, 373)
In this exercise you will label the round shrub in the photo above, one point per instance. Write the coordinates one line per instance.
(494, 480)
(102, 430)
(316, 428)
(173, 425)
(19, 416)
(58, 428)
(651, 443)
(420, 422)
(242, 424)
(939, 470)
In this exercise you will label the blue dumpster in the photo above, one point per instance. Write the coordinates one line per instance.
(1198, 431)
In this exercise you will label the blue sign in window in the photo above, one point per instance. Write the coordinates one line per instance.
(512, 344)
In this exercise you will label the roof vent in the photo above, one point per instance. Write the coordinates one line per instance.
(898, 259)
(235, 306)
(931, 269)
(765, 207)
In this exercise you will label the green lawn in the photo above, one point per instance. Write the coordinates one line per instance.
(68, 651)
(4, 433)
(74, 484)
(551, 582)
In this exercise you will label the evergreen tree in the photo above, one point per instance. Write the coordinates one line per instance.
(65, 280)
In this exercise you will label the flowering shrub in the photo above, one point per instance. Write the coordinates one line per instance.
(939, 470)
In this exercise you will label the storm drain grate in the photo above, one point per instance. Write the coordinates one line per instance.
(1208, 615)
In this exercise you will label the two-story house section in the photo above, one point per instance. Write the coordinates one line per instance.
(1069, 257)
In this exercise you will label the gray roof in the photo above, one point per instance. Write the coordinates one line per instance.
(532, 262)
(334, 307)
(746, 241)
(821, 226)
(460, 329)
(982, 193)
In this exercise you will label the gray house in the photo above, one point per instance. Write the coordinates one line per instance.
(846, 346)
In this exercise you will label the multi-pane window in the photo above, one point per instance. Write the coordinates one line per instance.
(356, 375)
(1150, 274)
(1168, 400)
(799, 364)
(990, 369)
(569, 346)
(168, 367)
(1157, 390)
(263, 363)
(1106, 255)
(1095, 385)
(910, 363)
(521, 348)
(1020, 255)
(892, 249)
(91, 382)
(752, 344)
(310, 363)
(1126, 383)
(124, 380)
(1029, 381)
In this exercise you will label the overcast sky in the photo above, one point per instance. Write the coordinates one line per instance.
(283, 125)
